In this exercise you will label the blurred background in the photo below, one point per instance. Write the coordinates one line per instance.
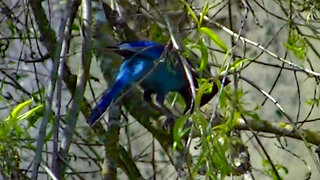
(55, 65)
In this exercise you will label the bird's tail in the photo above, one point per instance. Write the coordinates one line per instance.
(105, 101)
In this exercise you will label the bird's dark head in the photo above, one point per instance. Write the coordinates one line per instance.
(226, 80)
(169, 46)
(171, 51)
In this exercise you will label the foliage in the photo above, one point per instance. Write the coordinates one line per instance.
(297, 44)
(12, 130)
(268, 49)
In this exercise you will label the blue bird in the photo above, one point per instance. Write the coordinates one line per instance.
(149, 64)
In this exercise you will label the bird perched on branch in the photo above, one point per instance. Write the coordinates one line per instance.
(158, 71)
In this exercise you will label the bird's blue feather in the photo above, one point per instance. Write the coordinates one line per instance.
(138, 61)
(159, 74)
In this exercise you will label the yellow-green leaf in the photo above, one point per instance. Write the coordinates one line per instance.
(14, 113)
(203, 13)
(214, 37)
(29, 113)
(297, 44)
(204, 87)
(190, 11)
(179, 131)
(204, 56)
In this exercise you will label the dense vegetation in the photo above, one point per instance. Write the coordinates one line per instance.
(55, 66)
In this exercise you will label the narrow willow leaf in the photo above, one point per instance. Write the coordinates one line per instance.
(204, 12)
(204, 55)
(14, 113)
(30, 112)
(234, 66)
(179, 131)
(190, 11)
(214, 37)
(204, 87)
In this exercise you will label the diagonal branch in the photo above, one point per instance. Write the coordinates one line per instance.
(248, 41)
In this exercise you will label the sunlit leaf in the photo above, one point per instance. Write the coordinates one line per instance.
(270, 171)
(204, 55)
(14, 113)
(215, 38)
(204, 87)
(190, 11)
(297, 44)
(203, 49)
(30, 112)
(179, 131)
(204, 12)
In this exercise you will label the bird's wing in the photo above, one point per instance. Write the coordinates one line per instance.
(130, 72)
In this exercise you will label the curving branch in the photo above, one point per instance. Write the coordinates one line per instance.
(281, 129)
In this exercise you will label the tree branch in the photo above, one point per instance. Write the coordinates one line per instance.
(72, 116)
(281, 129)
(47, 37)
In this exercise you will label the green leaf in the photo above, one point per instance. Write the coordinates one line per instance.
(297, 44)
(219, 146)
(205, 86)
(35, 117)
(204, 12)
(214, 37)
(238, 64)
(30, 112)
(251, 114)
(200, 162)
(234, 66)
(75, 27)
(279, 113)
(190, 11)
(17, 129)
(11, 26)
(14, 113)
(269, 170)
(200, 121)
(313, 101)
(179, 131)
(14, 117)
(204, 55)
(156, 33)
(201, 45)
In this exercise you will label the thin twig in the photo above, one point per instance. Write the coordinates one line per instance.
(54, 49)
